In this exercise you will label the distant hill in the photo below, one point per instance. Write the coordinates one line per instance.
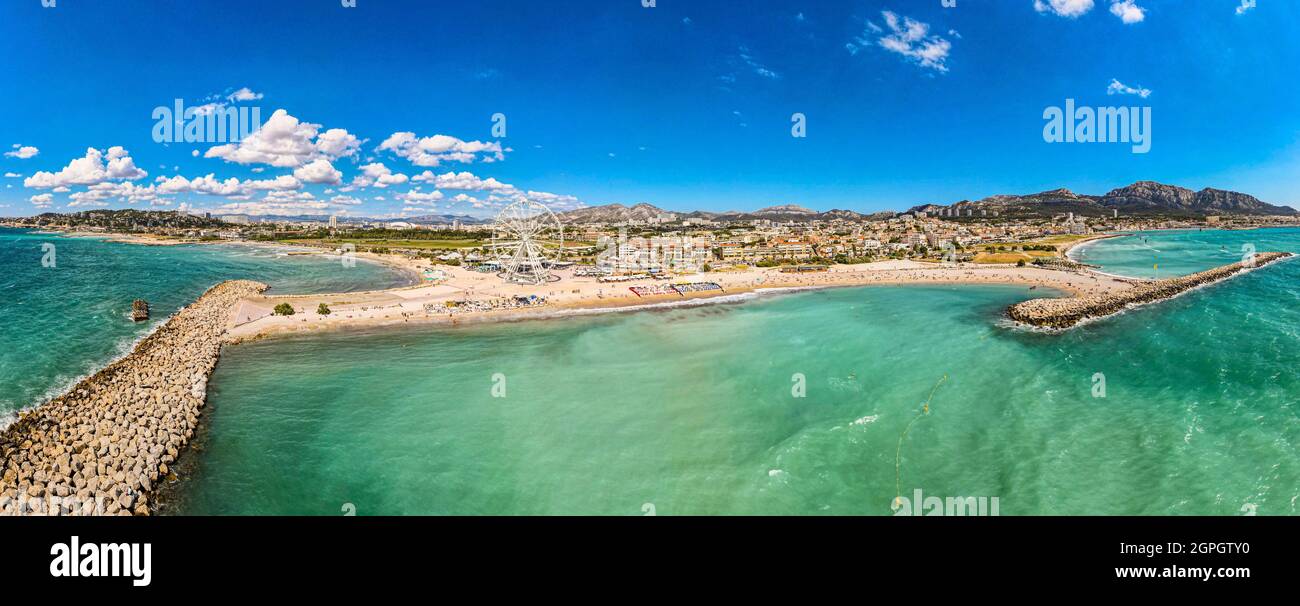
(445, 220)
(617, 213)
(349, 220)
(1143, 199)
(126, 220)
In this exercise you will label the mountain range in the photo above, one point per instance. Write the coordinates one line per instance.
(1141, 199)
(617, 213)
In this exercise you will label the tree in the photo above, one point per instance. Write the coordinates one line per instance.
(1020, 263)
(284, 309)
(323, 310)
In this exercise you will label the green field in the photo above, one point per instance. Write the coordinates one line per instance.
(415, 244)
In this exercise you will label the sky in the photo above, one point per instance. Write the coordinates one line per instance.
(401, 108)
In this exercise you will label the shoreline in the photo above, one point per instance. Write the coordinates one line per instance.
(410, 268)
(432, 304)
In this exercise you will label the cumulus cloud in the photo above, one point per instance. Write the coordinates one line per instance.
(1245, 6)
(413, 198)
(378, 175)
(22, 152)
(280, 184)
(285, 141)
(89, 170)
(318, 171)
(432, 151)
(907, 37)
(1128, 11)
(41, 200)
(338, 143)
(13, 175)
(1064, 8)
(1119, 88)
(100, 194)
(200, 185)
(463, 180)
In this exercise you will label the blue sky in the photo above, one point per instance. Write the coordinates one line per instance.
(686, 105)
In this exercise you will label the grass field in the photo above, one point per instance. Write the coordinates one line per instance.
(415, 244)
(1027, 256)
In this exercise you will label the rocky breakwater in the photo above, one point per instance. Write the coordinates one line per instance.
(102, 447)
(1064, 313)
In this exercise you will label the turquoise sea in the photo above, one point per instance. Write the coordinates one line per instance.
(691, 410)
(68, 320)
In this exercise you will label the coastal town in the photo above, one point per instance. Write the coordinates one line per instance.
(619, 241)
(531, 261)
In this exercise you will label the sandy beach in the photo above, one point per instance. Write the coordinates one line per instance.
(429, 303)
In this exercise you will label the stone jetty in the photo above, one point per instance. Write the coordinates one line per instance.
(1064, 313)
(103, 447)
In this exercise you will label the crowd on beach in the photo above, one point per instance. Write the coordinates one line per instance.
(451, 308)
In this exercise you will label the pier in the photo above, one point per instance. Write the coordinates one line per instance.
(103, 446)
(1067, 312)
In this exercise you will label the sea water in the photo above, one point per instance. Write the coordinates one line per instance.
(1190, 406)
(65, 302)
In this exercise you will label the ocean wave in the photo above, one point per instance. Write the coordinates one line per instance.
(122, 349)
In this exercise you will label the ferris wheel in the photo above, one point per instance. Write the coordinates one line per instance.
(527, 238)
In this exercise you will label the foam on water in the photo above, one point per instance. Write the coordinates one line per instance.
(64, 323)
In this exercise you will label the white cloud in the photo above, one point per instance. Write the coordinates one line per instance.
(417, 198)
(463, 180)
(1245, 6)
(89, 170)
(432, 151)
(243, 94)
(22, 152)
(1119, 88)
(318, 171)
(907, 37)
(748, 58)
(378, 175)
(200, 185)
(13, 175)
(1128, 11)
(121, 166)
(285, 141)
(1064, 8)
(41, 200)
(100, 194)
(278, 184)
(338, 143)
